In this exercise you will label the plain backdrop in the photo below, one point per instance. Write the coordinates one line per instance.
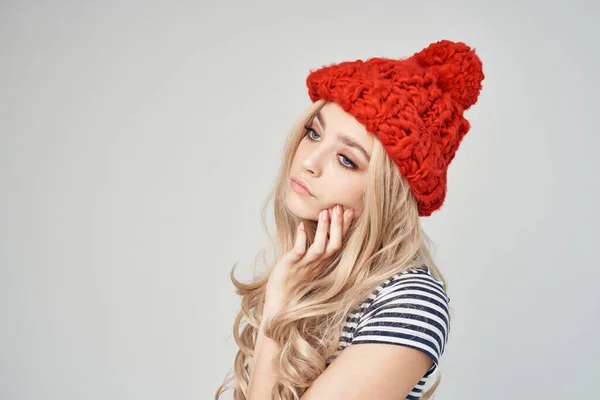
(138, 141)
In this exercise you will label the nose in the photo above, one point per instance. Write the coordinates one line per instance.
(314, 159)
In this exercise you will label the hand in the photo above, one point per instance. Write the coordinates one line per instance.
(299, 264)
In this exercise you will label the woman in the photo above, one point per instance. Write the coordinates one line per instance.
(354, 307)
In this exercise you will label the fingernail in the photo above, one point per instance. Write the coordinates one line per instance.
(301, 226)
(338, 209)
(324, 215)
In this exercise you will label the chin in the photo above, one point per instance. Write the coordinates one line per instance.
(298, 206)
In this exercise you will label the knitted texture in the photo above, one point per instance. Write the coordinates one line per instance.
(414, 106)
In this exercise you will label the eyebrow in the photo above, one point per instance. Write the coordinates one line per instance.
(347, 140)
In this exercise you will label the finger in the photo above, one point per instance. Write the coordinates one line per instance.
(331, 220)
(300, 243)
(348, 215)
(335, 231)
(318, 247)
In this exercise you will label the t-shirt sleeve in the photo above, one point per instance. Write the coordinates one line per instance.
(411, 311)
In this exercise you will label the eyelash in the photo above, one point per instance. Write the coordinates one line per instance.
(308, 132)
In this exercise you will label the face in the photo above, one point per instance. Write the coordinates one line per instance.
(332, 162)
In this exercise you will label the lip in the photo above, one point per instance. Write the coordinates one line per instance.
(304, 185)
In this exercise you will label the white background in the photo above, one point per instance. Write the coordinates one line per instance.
(138, 141)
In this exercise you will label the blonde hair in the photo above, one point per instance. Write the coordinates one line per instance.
(385, 238)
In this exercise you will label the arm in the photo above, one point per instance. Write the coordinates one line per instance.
(370, 371)
(292, 269)
(262, 371)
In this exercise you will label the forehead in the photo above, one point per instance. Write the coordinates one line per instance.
(337, 120)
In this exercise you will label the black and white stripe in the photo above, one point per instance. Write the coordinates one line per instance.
(409, 309)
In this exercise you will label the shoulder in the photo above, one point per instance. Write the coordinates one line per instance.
(416, 283)
(409, 309)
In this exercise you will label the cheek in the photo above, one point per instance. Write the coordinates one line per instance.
(300, 151)
(348, 192)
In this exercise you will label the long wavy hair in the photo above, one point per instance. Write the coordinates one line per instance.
(385, 238)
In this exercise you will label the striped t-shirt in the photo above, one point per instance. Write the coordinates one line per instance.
(408, 309)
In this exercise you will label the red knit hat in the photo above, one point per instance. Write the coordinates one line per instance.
(414, 106)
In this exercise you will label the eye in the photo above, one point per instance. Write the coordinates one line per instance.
(344, 161)
(309, 133)
(349, 164)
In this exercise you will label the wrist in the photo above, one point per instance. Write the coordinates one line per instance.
(273, 304)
